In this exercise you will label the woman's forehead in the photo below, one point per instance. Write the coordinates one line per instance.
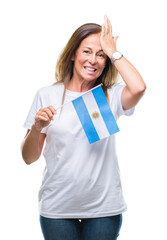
(92, 41)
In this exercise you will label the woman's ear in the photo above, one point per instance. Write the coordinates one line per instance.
(73, 57)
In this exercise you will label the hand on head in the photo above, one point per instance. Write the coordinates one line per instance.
(108, 42)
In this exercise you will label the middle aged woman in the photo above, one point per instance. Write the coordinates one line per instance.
(81, 195)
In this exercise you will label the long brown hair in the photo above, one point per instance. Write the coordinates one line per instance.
(64, 67)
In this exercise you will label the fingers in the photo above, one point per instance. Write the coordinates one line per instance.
(107, 25)
(44, 117)
(107, 28)
(51, 111)
(108, 42)
(103, 30)
(46, 114)
(40, 117)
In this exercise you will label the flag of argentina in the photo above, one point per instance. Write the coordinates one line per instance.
(95, 115)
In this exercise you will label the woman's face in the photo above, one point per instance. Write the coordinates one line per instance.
(89, 59)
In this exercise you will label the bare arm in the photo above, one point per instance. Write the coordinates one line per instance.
(135, 85)
(33, 143)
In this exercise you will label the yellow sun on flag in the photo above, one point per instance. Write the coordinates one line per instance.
(95, 115)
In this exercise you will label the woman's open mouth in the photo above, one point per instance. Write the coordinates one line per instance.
(90, 69)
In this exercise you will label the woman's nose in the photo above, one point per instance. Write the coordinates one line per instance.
(92, 59)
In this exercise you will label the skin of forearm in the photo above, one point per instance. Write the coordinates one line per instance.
(30, 146)
(130, 75)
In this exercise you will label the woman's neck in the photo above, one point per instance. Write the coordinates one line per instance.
(79, 86)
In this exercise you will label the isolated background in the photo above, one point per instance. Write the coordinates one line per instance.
(33, 34)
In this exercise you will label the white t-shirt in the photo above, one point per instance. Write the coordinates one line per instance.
(80, 180)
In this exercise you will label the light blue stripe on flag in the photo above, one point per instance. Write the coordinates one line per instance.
(85, 119)
(105, 110)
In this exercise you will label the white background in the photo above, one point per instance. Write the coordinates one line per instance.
(33, 34)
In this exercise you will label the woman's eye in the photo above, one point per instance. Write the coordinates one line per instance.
(86, 51)
(101, 55)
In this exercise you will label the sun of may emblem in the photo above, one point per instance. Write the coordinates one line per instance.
(95, 115)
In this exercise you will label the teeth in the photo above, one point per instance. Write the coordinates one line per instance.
(90, 69)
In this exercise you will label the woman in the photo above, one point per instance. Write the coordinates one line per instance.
(81, 195)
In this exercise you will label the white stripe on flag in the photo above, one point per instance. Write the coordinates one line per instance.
(98, 122)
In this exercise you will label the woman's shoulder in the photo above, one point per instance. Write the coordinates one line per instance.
(52, 89)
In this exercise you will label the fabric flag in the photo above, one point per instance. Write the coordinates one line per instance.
(95, 115)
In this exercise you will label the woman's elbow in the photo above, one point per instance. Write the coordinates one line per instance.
(27, 159)
(143, 88)
(140, 90)
(28, 155)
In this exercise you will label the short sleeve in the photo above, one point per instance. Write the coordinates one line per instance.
(36, 105)
(115, 101)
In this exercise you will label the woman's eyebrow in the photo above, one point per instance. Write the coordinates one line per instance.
(101, 50)
(87, 47)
